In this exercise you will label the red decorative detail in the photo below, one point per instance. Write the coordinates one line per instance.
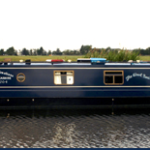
(56, 60)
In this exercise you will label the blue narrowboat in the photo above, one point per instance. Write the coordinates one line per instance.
(87, 78)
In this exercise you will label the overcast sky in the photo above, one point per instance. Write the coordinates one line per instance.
(68, 24)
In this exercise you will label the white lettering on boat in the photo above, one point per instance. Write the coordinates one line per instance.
(144, 76)
(5, 76)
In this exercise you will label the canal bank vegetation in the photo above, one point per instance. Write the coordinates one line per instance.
(65, 57)
(113, 55)
(85, 51)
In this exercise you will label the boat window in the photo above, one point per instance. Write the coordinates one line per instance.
(21, 77)
(108, 79)
(62, 77)
(113, 77)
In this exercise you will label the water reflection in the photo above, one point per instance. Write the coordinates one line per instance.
(75, 128)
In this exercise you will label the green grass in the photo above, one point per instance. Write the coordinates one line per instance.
(145, 58)
(65, 57)
(41, 58)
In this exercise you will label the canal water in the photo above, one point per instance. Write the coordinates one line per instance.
(63, 128)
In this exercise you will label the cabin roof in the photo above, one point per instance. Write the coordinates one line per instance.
(79, 62)
(74, 64)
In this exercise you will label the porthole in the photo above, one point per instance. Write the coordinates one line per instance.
(21, 77)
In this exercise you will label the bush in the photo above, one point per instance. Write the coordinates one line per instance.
(113, 55)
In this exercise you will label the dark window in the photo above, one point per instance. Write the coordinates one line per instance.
(63, 73)
(108, 79)
(118, 79)
(113, 77)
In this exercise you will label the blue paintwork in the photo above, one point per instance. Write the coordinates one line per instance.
(41, 77)
(98, 59)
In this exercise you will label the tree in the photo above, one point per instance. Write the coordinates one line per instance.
(147, 51)
(71, 52)
(34, 52)
(44, 53)
(25, 52)
(108, 49)
(57, 52)
(40, 51)
(11, 51)
(85, 49)
(49, 52)
(2, 52)
(31, 53)
(66, 52)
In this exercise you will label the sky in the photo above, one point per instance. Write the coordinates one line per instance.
(68, 24)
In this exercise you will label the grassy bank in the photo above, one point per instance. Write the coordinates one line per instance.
(145, 58)
(43, 58)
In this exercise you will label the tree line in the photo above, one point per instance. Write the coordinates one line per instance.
(85, 49)
(40, 51)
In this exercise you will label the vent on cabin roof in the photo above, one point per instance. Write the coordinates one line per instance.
(28, 61)
(83, 60)
(98, 60)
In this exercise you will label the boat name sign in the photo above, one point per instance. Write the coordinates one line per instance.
(137, 75)
(4, 77)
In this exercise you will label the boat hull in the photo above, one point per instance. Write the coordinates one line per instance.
(88, 82)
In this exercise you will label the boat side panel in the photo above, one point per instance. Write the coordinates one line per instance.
(83, 77)
(88, 83)
(45, 77)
